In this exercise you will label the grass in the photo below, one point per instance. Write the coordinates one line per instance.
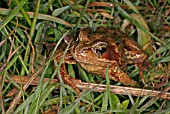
(25, 63)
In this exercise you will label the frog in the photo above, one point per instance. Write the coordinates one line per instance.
(99, 51)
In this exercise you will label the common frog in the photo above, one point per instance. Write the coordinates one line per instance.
(103, 49)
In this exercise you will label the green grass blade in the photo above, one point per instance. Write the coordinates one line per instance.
(34, 18)
(71, 107)
(12, 61)
(129, 3)
(12, 14)
(24, 13)
(58, 11)
(40, 16)
(24, 104)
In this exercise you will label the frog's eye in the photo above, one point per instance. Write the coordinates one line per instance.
(100, 48)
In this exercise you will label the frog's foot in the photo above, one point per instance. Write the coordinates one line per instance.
(126, 80)
(122, 77)
(71, 82)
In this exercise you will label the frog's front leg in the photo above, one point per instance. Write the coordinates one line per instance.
(69, 80)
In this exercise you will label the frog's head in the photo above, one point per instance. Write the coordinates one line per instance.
(94, 51)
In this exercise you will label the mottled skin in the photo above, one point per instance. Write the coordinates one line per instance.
(102, 49)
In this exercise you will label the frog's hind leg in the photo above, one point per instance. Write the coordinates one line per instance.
(139, 58)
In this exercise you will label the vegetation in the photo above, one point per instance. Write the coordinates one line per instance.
(25, 27)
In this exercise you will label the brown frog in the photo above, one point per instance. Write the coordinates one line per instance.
(101, 50)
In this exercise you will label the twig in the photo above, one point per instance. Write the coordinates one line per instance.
(100, 87)
(124, 90)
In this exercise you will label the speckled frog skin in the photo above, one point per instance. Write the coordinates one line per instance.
(102, 49)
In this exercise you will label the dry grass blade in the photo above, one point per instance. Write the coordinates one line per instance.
(1, 98)
(109, 4)
(33, 52)
(2, 42)
(9, 57)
